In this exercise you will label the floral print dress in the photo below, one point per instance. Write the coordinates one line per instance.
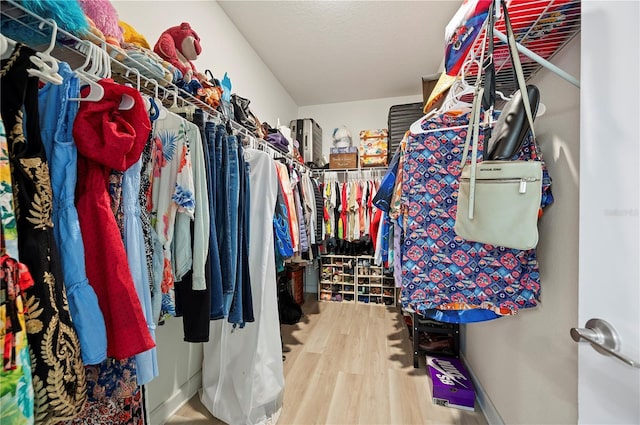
(16, 388)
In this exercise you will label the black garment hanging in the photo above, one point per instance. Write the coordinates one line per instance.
(317, 193)
(58, 372)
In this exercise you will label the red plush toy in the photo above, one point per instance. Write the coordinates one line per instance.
(179, 46)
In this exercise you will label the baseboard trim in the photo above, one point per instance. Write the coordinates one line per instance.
(486, 406)
(168, 408)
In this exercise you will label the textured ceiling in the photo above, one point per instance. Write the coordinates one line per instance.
(339, 51)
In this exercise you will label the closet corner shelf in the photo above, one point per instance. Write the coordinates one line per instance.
(543, 27)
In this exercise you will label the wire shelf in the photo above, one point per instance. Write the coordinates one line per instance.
(542, 26)
(33, 27)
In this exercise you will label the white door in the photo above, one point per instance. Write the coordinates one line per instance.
(608, 389)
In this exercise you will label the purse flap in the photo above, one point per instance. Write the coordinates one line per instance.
(498, 170)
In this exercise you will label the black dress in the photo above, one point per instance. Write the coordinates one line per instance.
(58, 372)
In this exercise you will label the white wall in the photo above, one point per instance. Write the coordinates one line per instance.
(528, 364)
(361, 115)
(224, 49)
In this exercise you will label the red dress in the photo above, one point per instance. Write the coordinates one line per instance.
(108, 138)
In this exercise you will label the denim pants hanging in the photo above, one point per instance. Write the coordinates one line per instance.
(229, 281)
(241, 310)
(213, 261)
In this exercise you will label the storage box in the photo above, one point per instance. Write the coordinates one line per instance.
(451, 385)
(373, 148)
(343, 160)
(348, 149)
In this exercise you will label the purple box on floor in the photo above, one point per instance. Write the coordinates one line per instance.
(451, 385)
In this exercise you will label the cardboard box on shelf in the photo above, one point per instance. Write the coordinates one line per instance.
(343, 160)
(451, 385)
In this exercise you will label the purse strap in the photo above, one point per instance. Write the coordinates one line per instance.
(488, 66)
(473, 131)
(517, 67)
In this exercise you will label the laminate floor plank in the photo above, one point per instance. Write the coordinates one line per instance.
(350, 364)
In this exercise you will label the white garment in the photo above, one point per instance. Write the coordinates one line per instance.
(310, 208)
(378, 254)
(242, 374)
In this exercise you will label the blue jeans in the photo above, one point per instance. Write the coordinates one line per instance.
(229, 281)
(215, 274)
(242, 304)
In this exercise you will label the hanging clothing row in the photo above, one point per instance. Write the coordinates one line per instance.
(443, 276)
(353, 223)
(125, 215)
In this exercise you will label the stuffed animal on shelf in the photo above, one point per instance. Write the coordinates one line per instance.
(104, 17)
(179, 46)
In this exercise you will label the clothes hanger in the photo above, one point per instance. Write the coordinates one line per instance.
(106, 62)
(7, 46)
(127, 101)
(47, 64)
(162, 114)
(96, 62)
(186, 109)
(96, 91)
(460, 88)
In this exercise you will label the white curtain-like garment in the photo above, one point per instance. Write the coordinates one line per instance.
(242, 375)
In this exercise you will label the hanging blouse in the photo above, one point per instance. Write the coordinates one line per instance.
(443, 274)
(146, 362)
(58, 372)
(319, 208)
(285, 182)
(172, 191)
(308, 196)
(57, 114)
(16, 403)
(108, 138)
(7, 212)
(202, 216)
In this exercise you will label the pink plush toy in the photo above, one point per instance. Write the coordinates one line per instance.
(179, 46)
(105, 18)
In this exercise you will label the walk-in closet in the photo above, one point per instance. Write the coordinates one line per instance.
(319, 212)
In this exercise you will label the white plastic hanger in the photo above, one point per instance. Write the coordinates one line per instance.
(7, 46)
(47, 64)
(162, 112)
(127, 101)
(96, 92)
(185, 108)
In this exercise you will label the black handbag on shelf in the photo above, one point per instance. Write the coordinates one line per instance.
(244, 116)
(507, 137)
(512, 126)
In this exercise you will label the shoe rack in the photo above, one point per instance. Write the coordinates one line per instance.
(337, 278)
(351, 279)
(373, 286)
(433, 338)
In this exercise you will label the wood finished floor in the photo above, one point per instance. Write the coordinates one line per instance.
(349, 364)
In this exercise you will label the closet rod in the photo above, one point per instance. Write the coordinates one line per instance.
(63, 44)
